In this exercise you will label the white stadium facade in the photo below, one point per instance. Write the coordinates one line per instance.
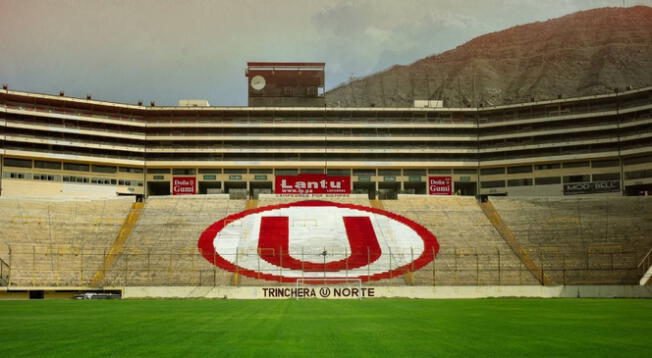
(74, 146)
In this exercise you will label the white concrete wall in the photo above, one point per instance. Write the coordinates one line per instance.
(536, 190)
(423, 292)
(45, 189)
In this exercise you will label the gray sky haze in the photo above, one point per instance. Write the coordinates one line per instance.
(163, 50)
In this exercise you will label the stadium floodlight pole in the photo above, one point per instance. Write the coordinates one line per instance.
(1, 163)
(620, 153)
(325, 141)
(323, 254)
(619, 141)
(145, 186)
(5, 88)
(477, 152)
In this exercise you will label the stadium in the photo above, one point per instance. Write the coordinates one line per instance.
(289, 198)
(112, 196)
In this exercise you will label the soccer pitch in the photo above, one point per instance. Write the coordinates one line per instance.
(327, 328)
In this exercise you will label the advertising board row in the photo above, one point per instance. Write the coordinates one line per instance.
(312, 184)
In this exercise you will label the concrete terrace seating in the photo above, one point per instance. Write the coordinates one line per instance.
(58, 242)
(574, 240)
(582, 240)
(471, 252)
(162, 248)
(271, 199)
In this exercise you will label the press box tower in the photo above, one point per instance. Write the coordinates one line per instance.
(285, 84)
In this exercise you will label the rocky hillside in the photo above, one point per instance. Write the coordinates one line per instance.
(588, 52)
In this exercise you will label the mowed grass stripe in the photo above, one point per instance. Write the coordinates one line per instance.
(320, 328)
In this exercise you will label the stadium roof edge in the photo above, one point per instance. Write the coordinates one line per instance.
(58, 98)
(286, 64)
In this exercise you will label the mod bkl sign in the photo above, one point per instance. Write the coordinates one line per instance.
(592, 188)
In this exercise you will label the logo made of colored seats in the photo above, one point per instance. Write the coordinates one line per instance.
(318, 239)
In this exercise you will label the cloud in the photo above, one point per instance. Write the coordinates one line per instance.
(371, 35)
(165, 50)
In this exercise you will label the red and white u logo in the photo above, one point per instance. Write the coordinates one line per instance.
(363, 244)
(290, 241)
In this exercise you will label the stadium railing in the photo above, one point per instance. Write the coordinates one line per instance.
(41, 266)
(4, 273)
(645, 266)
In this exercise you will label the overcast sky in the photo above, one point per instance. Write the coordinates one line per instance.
(165, 50)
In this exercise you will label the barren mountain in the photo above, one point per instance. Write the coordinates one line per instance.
(584, 53)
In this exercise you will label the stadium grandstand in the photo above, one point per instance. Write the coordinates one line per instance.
(109, 196)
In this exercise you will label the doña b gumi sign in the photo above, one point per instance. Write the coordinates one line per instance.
(323, 239)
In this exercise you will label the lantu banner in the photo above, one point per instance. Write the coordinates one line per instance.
(440, 186)
(312, 184)
(184, 186)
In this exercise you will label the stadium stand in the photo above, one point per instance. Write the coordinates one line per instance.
(472, 251)
(99, 243)
(582, 240)
(57, 243)
(162, 249)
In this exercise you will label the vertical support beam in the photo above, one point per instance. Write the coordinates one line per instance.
(620, 145)
(235, 279)
(477, 152)
(434, 269)
(499, 273)
(1, 165)
(2, 159)
(81, 267)
(145, 186)
(11, 260)
(215, 270)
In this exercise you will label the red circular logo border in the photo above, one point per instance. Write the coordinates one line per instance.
(207, 249)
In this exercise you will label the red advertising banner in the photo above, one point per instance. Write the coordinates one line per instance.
(184, 186)
(312, 184)
(440, 186)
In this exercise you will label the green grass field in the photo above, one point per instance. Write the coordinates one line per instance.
(319, 328)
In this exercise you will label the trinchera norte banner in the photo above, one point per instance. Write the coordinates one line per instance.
(184, 186)
(440, 186)
(312, 184)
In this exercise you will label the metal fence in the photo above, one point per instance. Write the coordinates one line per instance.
(4, 273)
(69, 266)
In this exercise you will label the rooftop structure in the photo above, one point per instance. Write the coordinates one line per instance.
(285, 84)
